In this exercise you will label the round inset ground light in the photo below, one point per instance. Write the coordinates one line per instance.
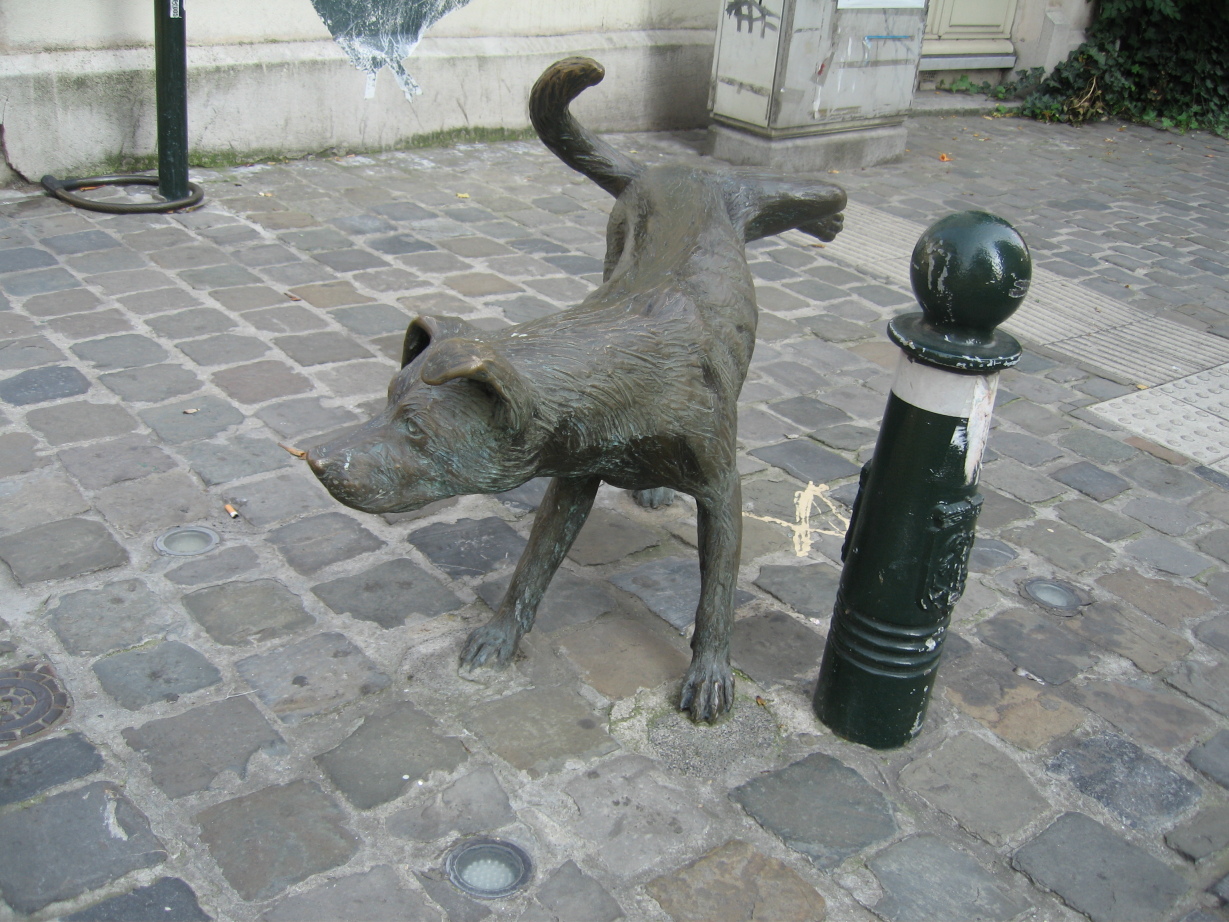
(1053, 594)
(187, 541)
(488, 868)
(32, 701)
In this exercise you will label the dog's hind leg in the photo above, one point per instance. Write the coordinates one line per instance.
(562, 512)
(708, 689)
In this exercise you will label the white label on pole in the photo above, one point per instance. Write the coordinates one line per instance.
(176, 11)
(880, 4)
(946, 393)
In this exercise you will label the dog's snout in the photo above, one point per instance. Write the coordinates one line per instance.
(319, 462)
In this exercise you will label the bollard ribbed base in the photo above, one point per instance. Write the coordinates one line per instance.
(875, 679)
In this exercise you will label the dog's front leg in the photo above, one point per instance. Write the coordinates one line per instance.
(561, 514)
(708, 689)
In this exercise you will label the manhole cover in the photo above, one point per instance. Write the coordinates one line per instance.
(32, 701)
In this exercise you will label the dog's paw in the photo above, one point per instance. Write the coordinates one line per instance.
(825, 229)
(491, 644)
(708, 691)
(655, 498)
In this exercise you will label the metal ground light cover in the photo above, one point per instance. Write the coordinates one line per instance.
(907, 548)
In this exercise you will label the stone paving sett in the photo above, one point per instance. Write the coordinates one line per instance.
(670, 587)
(1037, 643)
(72, 842)
(924, 879)
(311, 676)
(61, 550)
(373, 896)
(186, 753)
(219, 566)
(314, 543)
(122, 613)
(1098, 873)
(45, 764)
(474, 803)
(1150, 715)
(1205, 834)
(819, 807)
(135, 678)
(393, 749)
(269, 840)
(979, 786)
(1168, 602)
(618, 656)
(635, 820)
(1018, 710)
(1137, 788)
(388, 594)
(734, 883)
(167, 899)
(569, 600)
(243, 612)
(539, 729)
(1212, 758)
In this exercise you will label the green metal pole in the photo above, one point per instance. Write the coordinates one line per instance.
(171, 77)
(907, 548)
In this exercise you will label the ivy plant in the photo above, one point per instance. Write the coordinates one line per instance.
(1161, 62)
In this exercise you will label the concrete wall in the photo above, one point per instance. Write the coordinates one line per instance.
(77, 91)
(1047, 31)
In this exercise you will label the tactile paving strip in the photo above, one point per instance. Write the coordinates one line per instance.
(1186, 404)
(1091, 328)
(1190, 415)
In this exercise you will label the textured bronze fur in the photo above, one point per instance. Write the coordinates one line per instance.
(636, 386)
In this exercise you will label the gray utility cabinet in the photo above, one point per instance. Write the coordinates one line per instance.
(814, 84)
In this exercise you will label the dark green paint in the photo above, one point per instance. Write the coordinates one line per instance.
(171, 66)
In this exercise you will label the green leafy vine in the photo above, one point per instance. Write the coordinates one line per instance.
(1160, 62)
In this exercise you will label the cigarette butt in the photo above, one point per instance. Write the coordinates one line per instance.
(297, 452)
(293, 297)
(231, 511)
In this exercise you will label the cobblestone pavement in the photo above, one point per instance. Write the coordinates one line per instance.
(276, 729)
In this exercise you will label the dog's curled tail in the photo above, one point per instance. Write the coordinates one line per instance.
(570, 141)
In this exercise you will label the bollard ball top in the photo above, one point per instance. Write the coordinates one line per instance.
(970, 271)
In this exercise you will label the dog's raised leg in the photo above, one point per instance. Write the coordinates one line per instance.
(708, 689)
(561, 514)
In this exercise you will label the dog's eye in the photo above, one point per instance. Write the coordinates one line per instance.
(410, 427)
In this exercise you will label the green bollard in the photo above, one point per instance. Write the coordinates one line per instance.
(907, 549)
(171, 69)
(171, 85)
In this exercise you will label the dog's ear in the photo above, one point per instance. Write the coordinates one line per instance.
(472, 360)
(424, 330)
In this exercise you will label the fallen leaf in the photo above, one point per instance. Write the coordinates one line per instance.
(945, 158)
(834, 171)
(760, 701)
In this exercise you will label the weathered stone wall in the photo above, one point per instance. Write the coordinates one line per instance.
(267, 78)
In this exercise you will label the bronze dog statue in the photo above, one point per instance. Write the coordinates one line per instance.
(636, 386)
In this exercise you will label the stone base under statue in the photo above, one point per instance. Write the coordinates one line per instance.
(834, 150)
